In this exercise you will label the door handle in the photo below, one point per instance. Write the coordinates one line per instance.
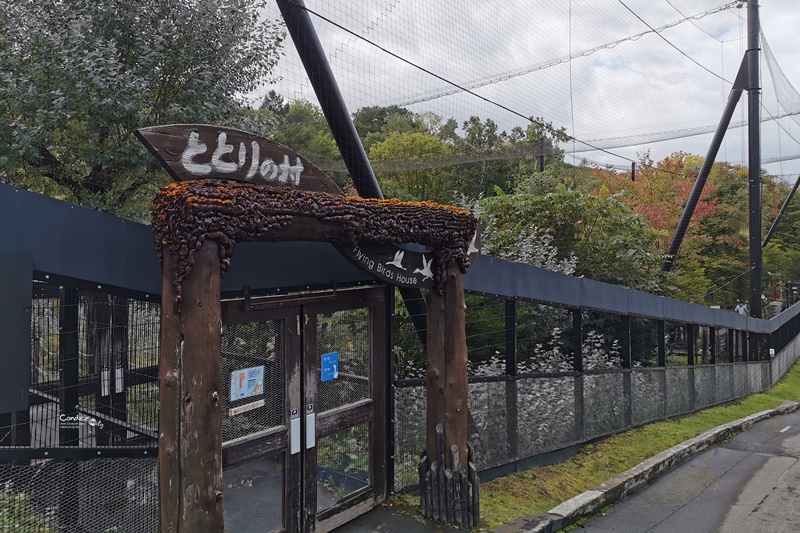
(311, 427)
(294, 434)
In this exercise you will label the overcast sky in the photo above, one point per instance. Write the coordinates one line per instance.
(514, 57)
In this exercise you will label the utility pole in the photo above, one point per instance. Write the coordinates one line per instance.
(754, 154)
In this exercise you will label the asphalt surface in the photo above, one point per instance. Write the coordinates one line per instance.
(749, 484)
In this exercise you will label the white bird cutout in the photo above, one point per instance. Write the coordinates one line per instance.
(472, 249)
(426, 268)
(398, 260)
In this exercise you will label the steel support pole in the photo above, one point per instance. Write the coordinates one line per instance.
(333, 106)
(754, 153)
(308, 46)
(784, 207)
(705, 169)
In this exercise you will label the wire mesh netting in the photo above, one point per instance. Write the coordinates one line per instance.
(343, 464)
(546, 63)
(648, 395)
(252, 364)
(544, 341)
(705, 381)
(410, 405)
(100, 495)
(724, 386)
(604, 404)
(489, 405)
(347, 335)
(546, 412)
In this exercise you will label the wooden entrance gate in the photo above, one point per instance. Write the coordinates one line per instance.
(303, 410)
(197, 223)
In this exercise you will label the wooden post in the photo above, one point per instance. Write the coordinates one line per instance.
(190, 424)
(451, 495)
(447, 367)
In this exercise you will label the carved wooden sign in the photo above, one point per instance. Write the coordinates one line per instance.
(400, 266)
(198, 151)
(404, 268)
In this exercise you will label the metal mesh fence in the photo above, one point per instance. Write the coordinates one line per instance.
(409, 433)
(648, 389)
(725, 388)
(604, 404)
(100, 495)
(343, 464)
(601, 340)
(93, 392)
(488, 430)
(526, 399)
(644, 342)
(543, 338)
(546, 412)
(94, 377)
(345, 333)
(741, 383)
(486, 335)
(705, 383)
(679, 400)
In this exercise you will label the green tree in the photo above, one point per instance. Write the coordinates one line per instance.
(302, 127)
(609, 241)
(413, 184)
(374, 123)
(78, 76)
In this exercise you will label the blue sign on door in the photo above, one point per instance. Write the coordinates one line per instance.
(330, 366)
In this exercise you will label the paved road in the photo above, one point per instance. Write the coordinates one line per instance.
(750, 484)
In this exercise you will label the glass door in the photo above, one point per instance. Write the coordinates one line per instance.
(304, 427)
(261, 381)
(344, 389)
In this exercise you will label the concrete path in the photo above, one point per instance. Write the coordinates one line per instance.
(749, 484)
(385, 520)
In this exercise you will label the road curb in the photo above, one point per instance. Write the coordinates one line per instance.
(625, 484)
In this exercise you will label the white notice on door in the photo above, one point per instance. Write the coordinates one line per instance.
(233, 411)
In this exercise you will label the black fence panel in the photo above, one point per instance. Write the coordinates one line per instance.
(648, 395)
(547, 414)
(725, 383)
(605, 404)
(705, 384)
(488, 429)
